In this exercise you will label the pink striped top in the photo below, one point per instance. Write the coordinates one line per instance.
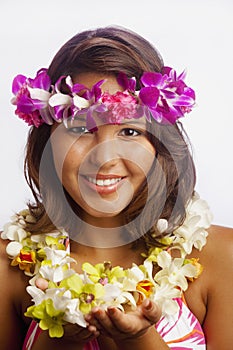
(181, 331)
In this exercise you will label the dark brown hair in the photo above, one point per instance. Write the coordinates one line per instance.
(171, 181)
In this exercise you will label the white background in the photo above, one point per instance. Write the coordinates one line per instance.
(192, 34)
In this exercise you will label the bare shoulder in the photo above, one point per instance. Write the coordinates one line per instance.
(219, 247)
(13, 280)
(217, 260)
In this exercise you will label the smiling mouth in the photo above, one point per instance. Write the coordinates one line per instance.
(104, 184)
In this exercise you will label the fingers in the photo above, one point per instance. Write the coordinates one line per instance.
(151, 311)
(100, 319)
(115, 323)
(41, 283)
(74, 331)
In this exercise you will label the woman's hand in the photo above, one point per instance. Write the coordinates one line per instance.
(125, 325)
(73, 334)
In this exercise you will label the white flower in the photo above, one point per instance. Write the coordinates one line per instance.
(55, 274)
(13, 232)
(58, 257)
(193, 231)
(13, 249)
(164, 295)
(162, 225)
(38, 295)
(73, 314)
(173, 271)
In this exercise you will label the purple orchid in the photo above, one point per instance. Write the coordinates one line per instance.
(31, 98)
(78, 100)
(127, 83)
(165, 95)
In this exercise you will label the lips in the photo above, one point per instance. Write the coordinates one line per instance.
(104, 184)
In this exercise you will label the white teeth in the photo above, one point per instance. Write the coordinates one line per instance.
(101, 182)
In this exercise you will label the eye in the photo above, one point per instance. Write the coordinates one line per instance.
(130, 132)
(78, 130)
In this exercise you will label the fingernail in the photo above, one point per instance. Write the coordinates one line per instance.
(111, 310)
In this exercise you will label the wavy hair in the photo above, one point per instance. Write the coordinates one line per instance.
(170, 183)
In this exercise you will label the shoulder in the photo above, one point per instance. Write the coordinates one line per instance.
(219, 247)
(13, 281)
(217, 260)
(217, 257)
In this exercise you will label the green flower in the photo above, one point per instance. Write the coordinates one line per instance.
(74, 284)
(103, 273)
(89, 296)
(50, 318)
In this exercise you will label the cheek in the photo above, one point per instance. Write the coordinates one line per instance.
(67, 158)
(141, 157)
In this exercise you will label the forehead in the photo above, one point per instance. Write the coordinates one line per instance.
(102, 120)
(90, 78)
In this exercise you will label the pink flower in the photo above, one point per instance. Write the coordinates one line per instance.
(120, 106)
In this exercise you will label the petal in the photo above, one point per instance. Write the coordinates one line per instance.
(18, 82)
(77, 88)
(25, 104)
(149, 96)
(42, 80)
(151, 79)
(90, 269)
(13, 248)
(46, 116)
(164, 259)
(36, 294)
(96, 90)
(80, 102)
(162, 225)
(125, 82)
(59, 99)
(90, 122)
(39, 94)
(183, 101)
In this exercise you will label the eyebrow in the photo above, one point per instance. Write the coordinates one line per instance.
(138, 122)
(134, 122)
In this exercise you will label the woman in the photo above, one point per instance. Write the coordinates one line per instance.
(108, 162)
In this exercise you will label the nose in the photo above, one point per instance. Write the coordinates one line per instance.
(105, 151)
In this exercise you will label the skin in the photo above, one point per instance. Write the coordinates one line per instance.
(209, 297)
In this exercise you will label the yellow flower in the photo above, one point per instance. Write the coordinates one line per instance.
(198, 266)
(26, 260)
(145, 287)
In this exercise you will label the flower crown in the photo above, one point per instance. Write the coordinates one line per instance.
(163, 96)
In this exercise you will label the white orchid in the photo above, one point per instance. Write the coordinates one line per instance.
(192, 233)
(55, 274)
(71, 295)
(58, 257)
(174, 271)
(73, 314)
(164, 296)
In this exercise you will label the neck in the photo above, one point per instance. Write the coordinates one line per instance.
(102, 237)
(123, 255)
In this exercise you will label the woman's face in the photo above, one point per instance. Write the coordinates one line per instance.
(102, 170)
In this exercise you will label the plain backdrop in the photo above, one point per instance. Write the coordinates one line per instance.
(193, 34)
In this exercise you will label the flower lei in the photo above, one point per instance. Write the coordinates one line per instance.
(70, 295)
(163, 96)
